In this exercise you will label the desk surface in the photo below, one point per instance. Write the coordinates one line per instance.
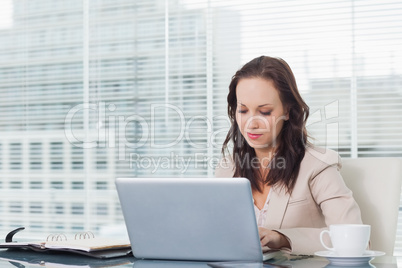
(24, 258)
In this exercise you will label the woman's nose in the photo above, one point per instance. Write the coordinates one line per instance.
(253, 123)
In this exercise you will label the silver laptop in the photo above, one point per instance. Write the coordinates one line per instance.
(203, 219)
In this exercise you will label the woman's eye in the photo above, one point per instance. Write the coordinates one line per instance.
(266, 113)
(242, 111)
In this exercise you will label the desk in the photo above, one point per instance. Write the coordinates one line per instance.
(25, 259)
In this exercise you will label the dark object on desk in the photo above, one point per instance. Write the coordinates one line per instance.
(27, 258)
(89, 246)
(9, 236)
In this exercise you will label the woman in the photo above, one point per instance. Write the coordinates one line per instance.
(297, 188)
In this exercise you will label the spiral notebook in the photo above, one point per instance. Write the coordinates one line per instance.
(59, 260)
(82, 243)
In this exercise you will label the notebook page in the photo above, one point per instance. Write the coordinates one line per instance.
(88, 245)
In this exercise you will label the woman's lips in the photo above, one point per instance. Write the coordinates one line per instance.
(253, 136)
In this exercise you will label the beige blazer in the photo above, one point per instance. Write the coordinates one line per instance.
(320, 198)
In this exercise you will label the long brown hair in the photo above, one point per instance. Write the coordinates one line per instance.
(293, 136)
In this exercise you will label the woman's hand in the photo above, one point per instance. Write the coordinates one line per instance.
(272, 239)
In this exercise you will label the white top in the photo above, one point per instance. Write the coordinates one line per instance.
(261, 215)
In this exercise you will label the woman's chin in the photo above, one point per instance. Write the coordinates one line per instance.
(261, 145)
(257, 145)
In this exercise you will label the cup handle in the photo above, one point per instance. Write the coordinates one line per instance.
(322, 241)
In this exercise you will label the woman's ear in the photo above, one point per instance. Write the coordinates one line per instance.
(287, 114)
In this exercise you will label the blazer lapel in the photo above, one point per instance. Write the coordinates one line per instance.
(278, 203)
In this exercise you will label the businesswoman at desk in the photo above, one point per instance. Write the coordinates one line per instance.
(297, 188)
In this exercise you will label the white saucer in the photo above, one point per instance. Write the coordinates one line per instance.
(349, 260)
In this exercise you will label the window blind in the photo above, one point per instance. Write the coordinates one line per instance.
(92, 90)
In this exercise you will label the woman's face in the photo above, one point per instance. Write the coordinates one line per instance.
(260, 113)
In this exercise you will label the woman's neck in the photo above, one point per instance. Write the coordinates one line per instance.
(265, 156)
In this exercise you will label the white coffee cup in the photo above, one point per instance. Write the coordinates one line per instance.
(347, 239)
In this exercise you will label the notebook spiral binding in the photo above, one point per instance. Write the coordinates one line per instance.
(56, 237)
(84, 235)
(63, 237)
